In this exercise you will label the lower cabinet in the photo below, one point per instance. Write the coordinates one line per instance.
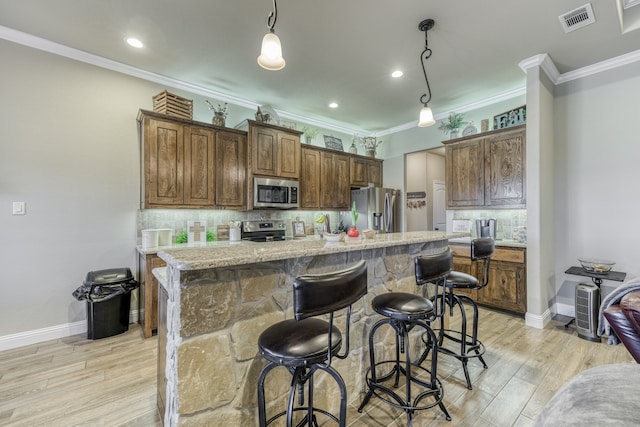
(148, 296)
(507, 288)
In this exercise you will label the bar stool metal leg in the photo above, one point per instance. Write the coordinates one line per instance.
(408, 369)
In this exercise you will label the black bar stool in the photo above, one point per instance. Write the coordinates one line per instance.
(404, 312)
(469, 345)
(305, 344)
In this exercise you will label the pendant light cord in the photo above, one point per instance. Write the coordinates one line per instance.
(273, 17)
(426, 54)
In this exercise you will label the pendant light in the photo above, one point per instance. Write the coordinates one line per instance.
(271, 53)
(426, 115)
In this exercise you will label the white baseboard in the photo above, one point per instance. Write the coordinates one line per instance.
(538, 321)
(566, 309)
(21, 339)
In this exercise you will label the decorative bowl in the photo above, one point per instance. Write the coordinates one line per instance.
(330, 237)
(596, 265)
(368, 233)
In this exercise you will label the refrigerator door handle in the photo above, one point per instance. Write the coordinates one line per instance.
(388, 213)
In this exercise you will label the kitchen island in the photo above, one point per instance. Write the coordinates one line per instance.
(215, 301)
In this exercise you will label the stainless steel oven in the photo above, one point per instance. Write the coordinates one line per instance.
(271, 230)
(274, 193)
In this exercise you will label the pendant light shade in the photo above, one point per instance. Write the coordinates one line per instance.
(271, 52)
(426, 117)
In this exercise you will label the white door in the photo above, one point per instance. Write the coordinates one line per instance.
(439, 206)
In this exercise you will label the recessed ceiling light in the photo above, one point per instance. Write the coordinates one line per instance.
(132, 41)
(333, 105)
(396, 74)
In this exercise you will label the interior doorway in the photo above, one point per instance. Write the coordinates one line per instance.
(425, 190)
(439, 206)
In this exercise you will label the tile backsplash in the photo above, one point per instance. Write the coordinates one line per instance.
(507, 220)
(176, 219)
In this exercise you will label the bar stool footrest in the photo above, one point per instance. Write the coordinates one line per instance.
(376, 388)
(476, 349)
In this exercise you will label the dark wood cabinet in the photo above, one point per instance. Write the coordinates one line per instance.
(274, 150)
(327, 176)
(487, 170)
(324, 180)
(198, 166)
(464, 174)
(163, 162)
(187, 164)
(504, 172)
(230, 172)
(335, 191)
(507, 287)
(148, 294)
(310, 179)
(363, 171)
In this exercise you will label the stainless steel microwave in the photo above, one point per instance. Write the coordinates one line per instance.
(275, 193)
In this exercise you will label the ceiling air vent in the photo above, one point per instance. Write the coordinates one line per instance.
(630, 3)
(577, 18)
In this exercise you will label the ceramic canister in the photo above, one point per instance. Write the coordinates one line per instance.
(150, 238)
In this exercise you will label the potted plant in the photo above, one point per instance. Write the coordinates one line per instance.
(452, 124)
(219, 113)
(370, 144)
(353, 230)
(309, 134)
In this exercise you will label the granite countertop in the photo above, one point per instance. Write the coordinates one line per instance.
(224, 254)
(217, 243)
(503, 243)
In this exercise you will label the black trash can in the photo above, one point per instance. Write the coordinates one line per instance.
(108, 296)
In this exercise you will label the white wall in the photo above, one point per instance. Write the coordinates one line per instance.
(69, 149)
(597, 174)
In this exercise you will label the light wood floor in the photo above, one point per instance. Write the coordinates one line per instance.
(112, 382)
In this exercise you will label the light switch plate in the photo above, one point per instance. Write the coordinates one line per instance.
(19, 208)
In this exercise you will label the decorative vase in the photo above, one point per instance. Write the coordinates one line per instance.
(353, 149)
(353, 232)
(218, 118)
(453, 134)
(371, 152)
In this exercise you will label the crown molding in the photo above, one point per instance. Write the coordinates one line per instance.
(545, 62)
(599, 67)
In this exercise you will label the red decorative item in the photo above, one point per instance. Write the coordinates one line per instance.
(353, 232)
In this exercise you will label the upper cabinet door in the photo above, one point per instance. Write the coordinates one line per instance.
(358, 172)
(310, 179)
(264, 151)
(199, 186)
(505, 169)
(465, 174)
(230, 170)
(164, 162)
(288, 155)
(374, 172)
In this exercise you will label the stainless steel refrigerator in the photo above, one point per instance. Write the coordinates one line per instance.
(378, 209)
